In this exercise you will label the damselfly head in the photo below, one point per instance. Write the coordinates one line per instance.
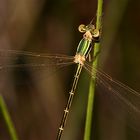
(91, 28)
(83, 28)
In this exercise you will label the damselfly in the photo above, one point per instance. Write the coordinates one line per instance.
(127, 96)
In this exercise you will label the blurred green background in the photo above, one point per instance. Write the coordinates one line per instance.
(36, 97)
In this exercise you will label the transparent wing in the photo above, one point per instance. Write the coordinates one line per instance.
(18, 59)
(121, 95)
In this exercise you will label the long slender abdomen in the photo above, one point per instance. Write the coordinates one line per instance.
(69, 102)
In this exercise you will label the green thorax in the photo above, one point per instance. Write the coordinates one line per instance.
(83, 47)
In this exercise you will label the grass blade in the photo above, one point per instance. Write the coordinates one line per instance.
(89, 114)
(7, 119)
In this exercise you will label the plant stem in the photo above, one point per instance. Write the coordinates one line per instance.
(90, 104)
(7, 119)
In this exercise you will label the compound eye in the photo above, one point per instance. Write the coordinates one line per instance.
(82, 28)
(95, 33)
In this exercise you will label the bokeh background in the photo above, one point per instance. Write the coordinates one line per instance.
(36, 97)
